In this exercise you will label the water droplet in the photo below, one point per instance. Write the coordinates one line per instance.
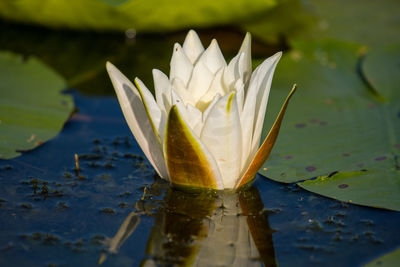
(342, 186)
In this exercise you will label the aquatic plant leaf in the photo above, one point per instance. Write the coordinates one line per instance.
(289, 19)
(383, 80)
(155, 16)
(391, 259)
(370, 188)
(373, 23)
(336, 124)
(32, 109)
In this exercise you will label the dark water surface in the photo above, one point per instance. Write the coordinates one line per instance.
(117, 212)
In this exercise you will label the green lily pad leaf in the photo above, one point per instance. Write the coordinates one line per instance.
(383, 80)
(391, 259)
(369, 188)
(368, 22)
(335, 123)
(288, 20)
(32, 110)
(154, 16)
(314, 139)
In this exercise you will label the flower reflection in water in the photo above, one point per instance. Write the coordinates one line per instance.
(206, 228)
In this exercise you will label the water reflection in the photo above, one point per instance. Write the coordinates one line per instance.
(206, 228)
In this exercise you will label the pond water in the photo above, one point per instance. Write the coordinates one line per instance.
(117, 212)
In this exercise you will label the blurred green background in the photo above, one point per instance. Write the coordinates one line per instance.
(134, 34)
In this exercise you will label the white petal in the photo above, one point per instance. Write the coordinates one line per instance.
(194, 119)
(215, 88)
(180, 65)
(239, 87)
(176, 99)
(192, 46)
(246, 49)
(200, 81)
(182, 108)
(232, 73)
(266, 73)
(222, 136)
(179, 88)
(210, 106)
(162, 87)
(137, 119)
(213, 57)
(157, 117)
(190, 114)
(167, 100)
(252, 104)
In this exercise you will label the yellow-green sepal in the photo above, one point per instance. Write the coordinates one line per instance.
(188, 161)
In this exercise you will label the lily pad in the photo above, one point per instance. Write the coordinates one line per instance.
(32, 109)
(369, 188)
(383, 80)
(368, 22)
(336, 123)
(287, 20)
(391, 259)
(154, 16)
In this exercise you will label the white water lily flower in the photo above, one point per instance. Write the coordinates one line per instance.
(203, 127)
